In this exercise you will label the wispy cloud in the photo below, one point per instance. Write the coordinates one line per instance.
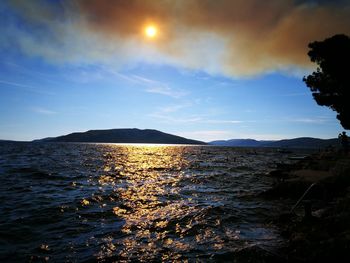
(315, 120)
(24, 87)
(154, 86)
(10, 83)
(164, 90)
(224, 121)
(174, 108)
(163, 116)
(170, 119)
(44, 111)
(146, 84)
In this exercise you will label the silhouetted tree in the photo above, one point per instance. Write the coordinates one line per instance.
(330, 83)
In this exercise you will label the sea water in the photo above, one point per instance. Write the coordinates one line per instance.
(106, 202)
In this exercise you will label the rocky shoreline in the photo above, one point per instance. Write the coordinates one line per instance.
(318, 229)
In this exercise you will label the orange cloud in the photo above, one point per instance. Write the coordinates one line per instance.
(235, 38)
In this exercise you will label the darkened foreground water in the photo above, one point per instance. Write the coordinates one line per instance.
(86, 202)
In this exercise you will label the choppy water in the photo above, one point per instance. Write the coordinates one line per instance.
(105, 202)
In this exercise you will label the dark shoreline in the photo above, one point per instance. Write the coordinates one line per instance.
(324, 234)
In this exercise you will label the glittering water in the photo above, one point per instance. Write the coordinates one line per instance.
(105, 202)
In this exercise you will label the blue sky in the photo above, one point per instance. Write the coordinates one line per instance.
(53, 84)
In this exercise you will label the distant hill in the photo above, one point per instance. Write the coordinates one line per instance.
(122, 136)
(241, 143)
(303, 142)
(9, 141)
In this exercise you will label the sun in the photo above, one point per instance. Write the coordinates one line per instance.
(151, 31)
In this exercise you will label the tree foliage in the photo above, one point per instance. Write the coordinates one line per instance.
(330, 83)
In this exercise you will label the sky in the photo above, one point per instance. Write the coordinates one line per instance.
(214, 70)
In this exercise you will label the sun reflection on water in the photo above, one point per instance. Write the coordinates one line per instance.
(146, 180)
(127, 203)
(168, 201)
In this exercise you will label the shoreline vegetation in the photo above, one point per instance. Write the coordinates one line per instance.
(318, 229)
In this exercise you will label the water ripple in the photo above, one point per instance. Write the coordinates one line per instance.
(105, 202)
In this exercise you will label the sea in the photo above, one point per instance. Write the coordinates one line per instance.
(74, 202)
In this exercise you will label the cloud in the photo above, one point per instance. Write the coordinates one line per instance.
(316, 120)
(44, 111)
(175, 120)
(24, 87)
(234, 38)
(10, 83)
(164, 90)
(174, 108)
(164, 116)
(223, 121)
(153, 86)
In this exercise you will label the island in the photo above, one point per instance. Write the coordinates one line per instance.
(122, 136)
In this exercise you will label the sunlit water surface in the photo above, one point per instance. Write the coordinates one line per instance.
(105, 202)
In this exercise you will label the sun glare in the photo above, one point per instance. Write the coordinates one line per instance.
(150, 31)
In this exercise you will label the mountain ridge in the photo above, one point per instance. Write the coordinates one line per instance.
(132, 135)
(301, 142)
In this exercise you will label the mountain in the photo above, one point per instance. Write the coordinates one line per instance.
(10, 141)
(122, 136)
(303, 142)
(240, 143)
